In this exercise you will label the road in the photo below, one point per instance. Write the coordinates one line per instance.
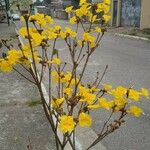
(21, 116)
(129, 65)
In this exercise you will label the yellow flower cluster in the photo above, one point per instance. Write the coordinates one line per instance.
(86, 37)
(67, 123)
(121, 97)
(41, 19)
(71, 93)
(56, 61)
(34, 35)
(57, 32)
(88, 95)
(15, 57)
(63, 77)
(57, 102)
(86, 9)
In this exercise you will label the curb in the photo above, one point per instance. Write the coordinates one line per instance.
(131, 36)
(84, 136)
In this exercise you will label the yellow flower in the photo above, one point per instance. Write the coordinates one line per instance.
(83, 2)
(84, 10)
(96, 106)
(69, 9)
(56, 61)
(107, 2)
(85, 120)
(23, 31)
(92, 45)
(70, 32)
(67, 77)
(99, 7)
(57, 102)
(106, 18)
(119, 92)
(57, 29)
(41, 19)
(133, 94)
(103, 103)
(94, 89)
(37, 38)
(5, 66)
(55, 76)
(80, 43)
(98, 29)
(88, 97)
(50, 33)
(73, 20)
(120, 103)
(145, 92)
(62, 35)
(68, 91)
(66, 123)
(49, 19)
(134, 110)
(13, 56)
(22, 18)
(103, 7)
(92, 18)
(88, 38)
(107, 87)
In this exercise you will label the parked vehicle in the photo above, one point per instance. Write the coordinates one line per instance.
(15, 16)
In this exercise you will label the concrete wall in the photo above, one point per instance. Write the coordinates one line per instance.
(145, 14)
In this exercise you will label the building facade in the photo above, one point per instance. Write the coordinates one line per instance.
(145, 14)
(135, 13)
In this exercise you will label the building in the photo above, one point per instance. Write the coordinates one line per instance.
(145, 14)
(135, 13)
(2, 11)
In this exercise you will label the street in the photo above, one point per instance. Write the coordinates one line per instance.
(129, 65)
(21, 115)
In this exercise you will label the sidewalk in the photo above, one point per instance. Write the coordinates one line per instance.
(21, 115)
(131, 32)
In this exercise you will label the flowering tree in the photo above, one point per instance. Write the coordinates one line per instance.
(73, 99)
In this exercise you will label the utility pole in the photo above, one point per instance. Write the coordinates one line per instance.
(7, 4)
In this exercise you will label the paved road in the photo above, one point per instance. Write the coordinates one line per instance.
(129, 64)
(18, 120)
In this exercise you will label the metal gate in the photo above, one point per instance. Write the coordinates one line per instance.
(130, 13)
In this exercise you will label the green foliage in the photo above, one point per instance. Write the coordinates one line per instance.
(33, 103)
(24, 4)
(146, 31)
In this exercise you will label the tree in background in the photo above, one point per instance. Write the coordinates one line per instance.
(24, 4)
(47, 1)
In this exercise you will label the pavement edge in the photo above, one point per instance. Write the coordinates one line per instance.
(133, 37)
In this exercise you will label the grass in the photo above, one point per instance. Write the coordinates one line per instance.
(33, 103)
(146, 31)
(140, 32)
